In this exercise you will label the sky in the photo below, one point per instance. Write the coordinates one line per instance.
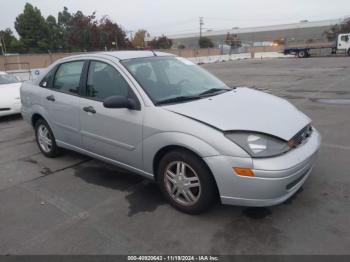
(182, 16)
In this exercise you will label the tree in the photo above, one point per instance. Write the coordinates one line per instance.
(85, 33)
(233, 41)
(32, 29)
(205, 42)
(139, 38)
(64, 18)
(80, 30)
(9, 41)
(341, 28)
(161, 43)
(55, 40)
(112, 35)
(63, 21)
(70, 32)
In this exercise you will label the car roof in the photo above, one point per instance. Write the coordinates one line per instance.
(122, 55)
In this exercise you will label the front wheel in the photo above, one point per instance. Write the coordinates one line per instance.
(186, 182)
(45, 139)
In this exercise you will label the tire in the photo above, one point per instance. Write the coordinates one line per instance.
(203, 191)
(46, 140)
(349, 52)
(302, 54)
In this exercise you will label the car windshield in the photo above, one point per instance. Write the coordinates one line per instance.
(8, 79)
(173, 79)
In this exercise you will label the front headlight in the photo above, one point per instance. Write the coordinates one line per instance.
(259, 145)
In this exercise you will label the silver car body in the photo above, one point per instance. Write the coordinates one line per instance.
(133, 139)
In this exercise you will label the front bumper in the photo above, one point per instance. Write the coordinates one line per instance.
(275, 179)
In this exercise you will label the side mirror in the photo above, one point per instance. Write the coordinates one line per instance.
(121, 102)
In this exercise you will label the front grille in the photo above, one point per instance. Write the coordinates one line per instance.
(301, 136)
(5, 109)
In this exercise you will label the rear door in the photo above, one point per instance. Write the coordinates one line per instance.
(112, 133)
(63, 102)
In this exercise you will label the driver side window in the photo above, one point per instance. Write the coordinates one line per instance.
(105, 81)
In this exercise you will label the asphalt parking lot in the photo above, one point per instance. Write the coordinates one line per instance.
(76, 205)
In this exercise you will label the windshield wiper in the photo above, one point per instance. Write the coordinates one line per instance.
(177, 99)
(213, 91)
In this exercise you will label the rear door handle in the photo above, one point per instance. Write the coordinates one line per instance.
(89, 109)
(51, 98)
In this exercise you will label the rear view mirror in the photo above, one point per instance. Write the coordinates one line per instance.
(121, 102)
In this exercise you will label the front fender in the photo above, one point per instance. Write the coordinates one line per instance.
(154, 143)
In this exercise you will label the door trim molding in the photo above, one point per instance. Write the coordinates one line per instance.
(108, 141)
(105, 159)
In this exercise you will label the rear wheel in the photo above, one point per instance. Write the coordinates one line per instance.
(302, 54)
(46, 140)
(186, 182)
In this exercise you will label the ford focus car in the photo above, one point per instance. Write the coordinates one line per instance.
(169, 120)
(10, 102)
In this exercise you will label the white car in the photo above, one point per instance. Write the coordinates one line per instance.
(10, 101)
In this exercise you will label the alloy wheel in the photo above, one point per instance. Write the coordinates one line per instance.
(182, 183)
(44, 139)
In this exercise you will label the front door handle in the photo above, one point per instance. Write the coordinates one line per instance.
(51, 98)
(89, 109)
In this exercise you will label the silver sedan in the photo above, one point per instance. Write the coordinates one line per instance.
(167, 119)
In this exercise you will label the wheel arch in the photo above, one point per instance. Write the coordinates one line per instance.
(36, 112)
(38, 115)
(166, 149)
(35, 118)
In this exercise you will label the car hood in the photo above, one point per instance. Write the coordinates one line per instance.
(245, 109)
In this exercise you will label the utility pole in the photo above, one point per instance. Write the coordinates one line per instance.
(201, 23)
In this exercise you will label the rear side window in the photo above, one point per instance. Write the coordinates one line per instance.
(67, 78)
(47, 80)
(105, 81)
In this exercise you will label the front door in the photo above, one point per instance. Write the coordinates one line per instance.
(112, 133)
(344, 41)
